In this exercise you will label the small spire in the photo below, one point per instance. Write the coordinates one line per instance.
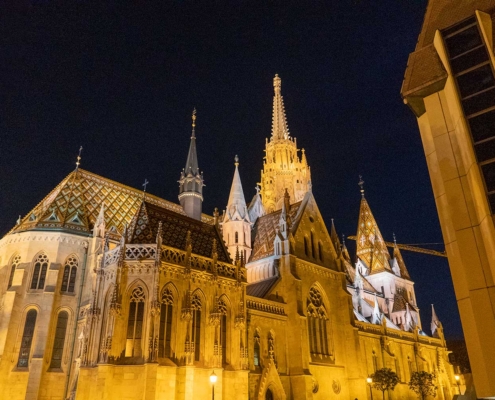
(435, 322)
(194, 122)
(19, 220)
(376, 313)
(395, 239)
(144, 186)
(361, 185)
(78, 162)
(236, 160)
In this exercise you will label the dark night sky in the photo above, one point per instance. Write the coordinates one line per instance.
(121, 80)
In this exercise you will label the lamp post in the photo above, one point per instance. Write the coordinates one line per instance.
(457, 379)
(213, 380)
(369, 380)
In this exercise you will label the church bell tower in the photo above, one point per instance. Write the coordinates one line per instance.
(191, 180)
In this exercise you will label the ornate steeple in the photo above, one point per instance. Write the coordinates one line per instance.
(283, 168)
(399, 263)
(236, 226)
(280, 129)
(191, 180)
(370, 246)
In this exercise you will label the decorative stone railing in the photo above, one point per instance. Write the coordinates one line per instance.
(143, 252)
(265, 307)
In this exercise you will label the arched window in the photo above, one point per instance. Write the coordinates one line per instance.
(397, 368)
(196, 326)
(15, 262)
(58, 343)
(317, 323)
(375, 361)
(313, 252)
(320, 251)
(222, 308)
(69, 278)
(39, 274)
(27, 338)
(257, 350)
(166, 313)
(306, 249)
(236, 237)
(133, 347)
(268, 395)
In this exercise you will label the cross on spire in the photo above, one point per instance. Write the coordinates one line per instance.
(145, 184)
(361, 185)
(78, 162)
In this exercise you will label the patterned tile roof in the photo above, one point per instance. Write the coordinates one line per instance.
(264, 232)
(75, 203)
(400, 303)
(404, 273)
(350, 272)
(143, 229)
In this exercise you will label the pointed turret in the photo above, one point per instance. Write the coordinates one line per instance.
(370, 246)
(99, 228)
(399, 266)
(191, 180)
(409, 322)
(435, 322)
(236, 225)
(236, 207)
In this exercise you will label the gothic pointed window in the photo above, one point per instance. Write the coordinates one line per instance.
(58, 343)
(306, 249)
(15, 262)
(237, 237)
(135, 324)
(27, 339)
(317, 324)
(257, 350)
(196, 326)
(166, 313)
(39, 273)
(268, 395)
(69, 277)
(375, 361)
(320, 251)
(222, 308)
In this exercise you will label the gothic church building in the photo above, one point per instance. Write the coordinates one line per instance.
(107, 293)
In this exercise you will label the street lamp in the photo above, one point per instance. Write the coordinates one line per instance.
(457, 379)
(369, 380)
(213, 380)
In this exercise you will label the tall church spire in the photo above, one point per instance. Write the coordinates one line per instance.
(370, 246)
(191, 180)
(280, 129)
(435, 322)
(283, 168)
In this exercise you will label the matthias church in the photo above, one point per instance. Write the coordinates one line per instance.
(108, 292)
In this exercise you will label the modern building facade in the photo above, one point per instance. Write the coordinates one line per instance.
(112, 293)
(449, 85)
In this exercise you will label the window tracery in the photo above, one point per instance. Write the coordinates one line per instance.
(222, 309)
(166, 314)
(257, 350)
(69, 277)
(39, 274)
(135, 323)
(15, 262)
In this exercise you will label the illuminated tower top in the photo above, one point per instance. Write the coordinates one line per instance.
(282, 168)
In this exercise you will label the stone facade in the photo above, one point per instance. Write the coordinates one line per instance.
(111, 293)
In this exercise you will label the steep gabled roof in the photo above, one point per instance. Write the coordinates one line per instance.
(350, 272)
(264, 232)
(75, 203)
(144, 227)
(404, 273)
(400, 303)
